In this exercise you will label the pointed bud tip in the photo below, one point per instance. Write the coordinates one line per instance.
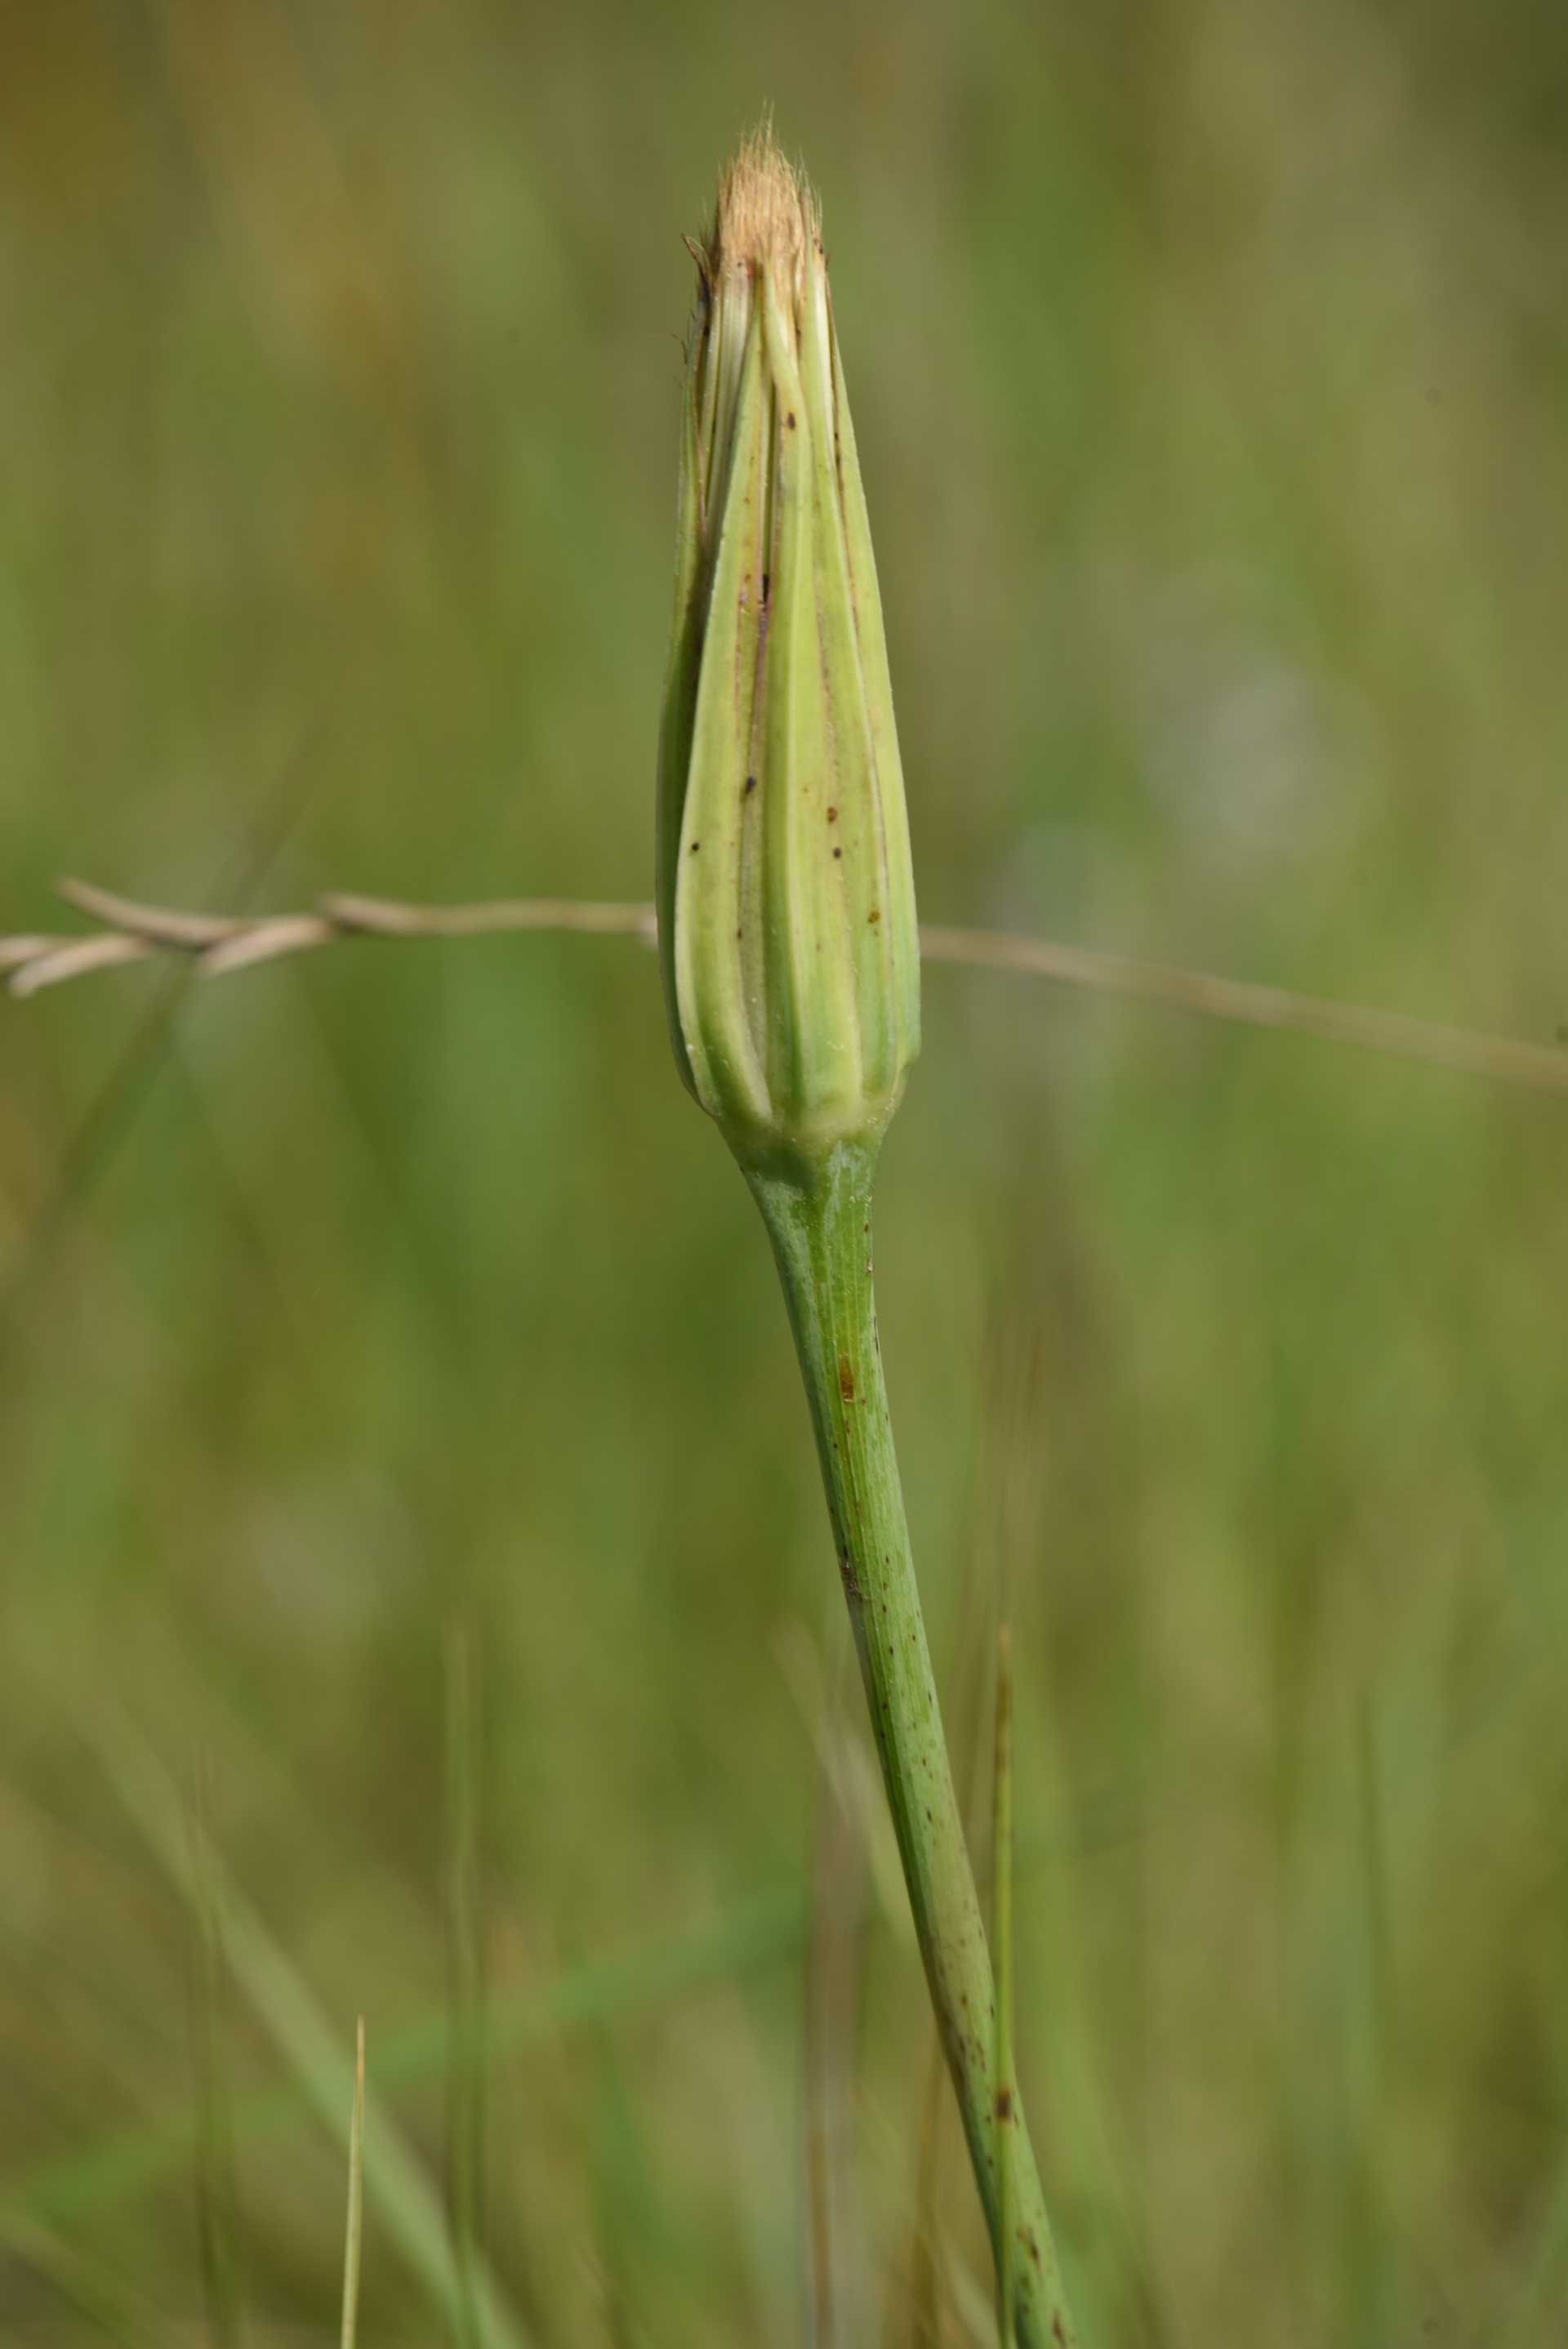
(767, 213)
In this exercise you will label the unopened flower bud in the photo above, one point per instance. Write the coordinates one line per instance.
(786, 901)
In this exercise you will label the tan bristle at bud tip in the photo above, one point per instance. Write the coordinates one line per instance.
(766, 214)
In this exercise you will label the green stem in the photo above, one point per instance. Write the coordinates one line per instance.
(819, 1220)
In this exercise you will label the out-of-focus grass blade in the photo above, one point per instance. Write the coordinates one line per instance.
(101, 2299)
(766, 1931)
(834, 1953)
(643, 2252)
(920, 2319)
(1526, 2322)
(920, 2308)
(465, 1987)
(915, 2309)
(624, 2214)
(1002, 1957)
(217, 2199)
(353, 2229)
(395, 2184)
(1374, 2240)
(973, 2308)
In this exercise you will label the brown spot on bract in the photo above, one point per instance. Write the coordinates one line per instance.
(846, 1378)
(1003, 2104)
(875, 914)
(790, 419)
(751, 784)
(832, 815)
(837, 852)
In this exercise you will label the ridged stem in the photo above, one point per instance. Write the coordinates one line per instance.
(819, 1220)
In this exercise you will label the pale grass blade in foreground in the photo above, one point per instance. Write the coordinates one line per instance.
(354, 2229)
(465, 2116)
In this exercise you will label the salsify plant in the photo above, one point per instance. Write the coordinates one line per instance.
(792, 972)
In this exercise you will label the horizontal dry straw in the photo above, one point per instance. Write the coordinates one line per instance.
(216, 944)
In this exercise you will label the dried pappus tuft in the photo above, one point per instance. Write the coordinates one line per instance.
(765, 216)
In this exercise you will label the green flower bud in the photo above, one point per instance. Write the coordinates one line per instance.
(786, 899)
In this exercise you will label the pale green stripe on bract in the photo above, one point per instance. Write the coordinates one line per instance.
(681, 677)
(855, 841)
(903, 944)
(814, 1028)
(728, 1075)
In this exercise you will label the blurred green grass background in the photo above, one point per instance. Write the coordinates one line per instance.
(1210, 370)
